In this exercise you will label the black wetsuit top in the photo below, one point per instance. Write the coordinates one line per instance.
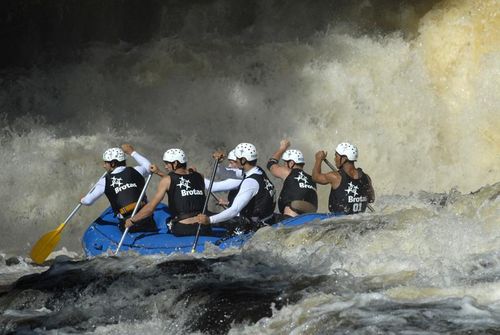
(262, 205)
(186, 196)
(351, 196)
(123, 188)
(297, 186)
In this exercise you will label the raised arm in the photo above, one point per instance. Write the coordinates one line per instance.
(277, 170)
(323, 178)
(143, 162)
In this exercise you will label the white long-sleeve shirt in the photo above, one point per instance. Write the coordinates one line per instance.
(223, 185)
(249, 188)
(98, 191)
(232, 179)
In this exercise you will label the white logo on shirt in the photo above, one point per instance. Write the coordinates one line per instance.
(302, 180)
(269, 187)
(352, 189)
(184, 183)
(116, 182)
(118, 185)
(187, 192)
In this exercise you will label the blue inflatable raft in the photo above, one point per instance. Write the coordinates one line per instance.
(103, 235)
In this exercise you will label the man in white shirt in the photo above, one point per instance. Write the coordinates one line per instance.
(122, 185)
(254, 203)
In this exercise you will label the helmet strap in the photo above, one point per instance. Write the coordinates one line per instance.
(242, 162)
(342, 163)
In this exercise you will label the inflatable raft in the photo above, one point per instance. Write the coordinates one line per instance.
(103, 235)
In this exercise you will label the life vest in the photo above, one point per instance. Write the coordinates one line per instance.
(186, 196)
(351, 196)
(261, 206)
(123, 190)
(297, 186)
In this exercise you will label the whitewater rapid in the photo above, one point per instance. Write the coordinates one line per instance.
(418, 94)
(422, 263)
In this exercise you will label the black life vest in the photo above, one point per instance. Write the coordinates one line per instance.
(297, 186)
(186, 195)
(123, 189)
(262, 205)
(351, 196)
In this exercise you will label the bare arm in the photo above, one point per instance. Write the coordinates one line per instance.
(277, 170)
(149, 208)
(155, 170)
(332, 178)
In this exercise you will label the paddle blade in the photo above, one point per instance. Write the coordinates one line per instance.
(45, 245)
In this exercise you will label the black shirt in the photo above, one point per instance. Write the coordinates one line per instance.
(351, 196)
(297, 186)
(186, 194)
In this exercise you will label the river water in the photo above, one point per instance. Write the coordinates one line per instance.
(414, 84)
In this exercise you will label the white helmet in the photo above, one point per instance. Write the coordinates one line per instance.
(113, 154)
(172, 155)
(293, 155)
(246, 150)
(231, 155)
(348, 150)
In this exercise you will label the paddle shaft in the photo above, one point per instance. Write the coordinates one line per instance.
(330, 165)
(61, 227)
(133, 212)
(44, 246)
(193, 249)
(71, 215)
(218, 200)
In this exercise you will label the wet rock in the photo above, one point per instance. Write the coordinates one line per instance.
(62, 259)
(12, 261)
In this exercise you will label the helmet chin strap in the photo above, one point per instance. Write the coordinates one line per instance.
(342, 164)
(242, 163)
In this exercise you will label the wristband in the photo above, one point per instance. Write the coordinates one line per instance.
(271, 162)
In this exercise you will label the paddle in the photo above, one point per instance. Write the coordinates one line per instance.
(193, 249)
(133, 213)
(46, 244)
(218, 200)
(330, 165)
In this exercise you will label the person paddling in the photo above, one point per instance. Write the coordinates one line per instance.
(232, 176)
(122, 185)
(185, 189)
(253, 205)
(351, 188)
(298, 194)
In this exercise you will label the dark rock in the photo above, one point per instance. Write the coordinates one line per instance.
(12, 261)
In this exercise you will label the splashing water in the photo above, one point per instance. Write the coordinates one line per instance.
(419, 99)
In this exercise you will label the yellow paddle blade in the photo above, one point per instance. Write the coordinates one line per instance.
(46, 244)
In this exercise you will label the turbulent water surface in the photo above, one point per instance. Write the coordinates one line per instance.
(415, 84)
